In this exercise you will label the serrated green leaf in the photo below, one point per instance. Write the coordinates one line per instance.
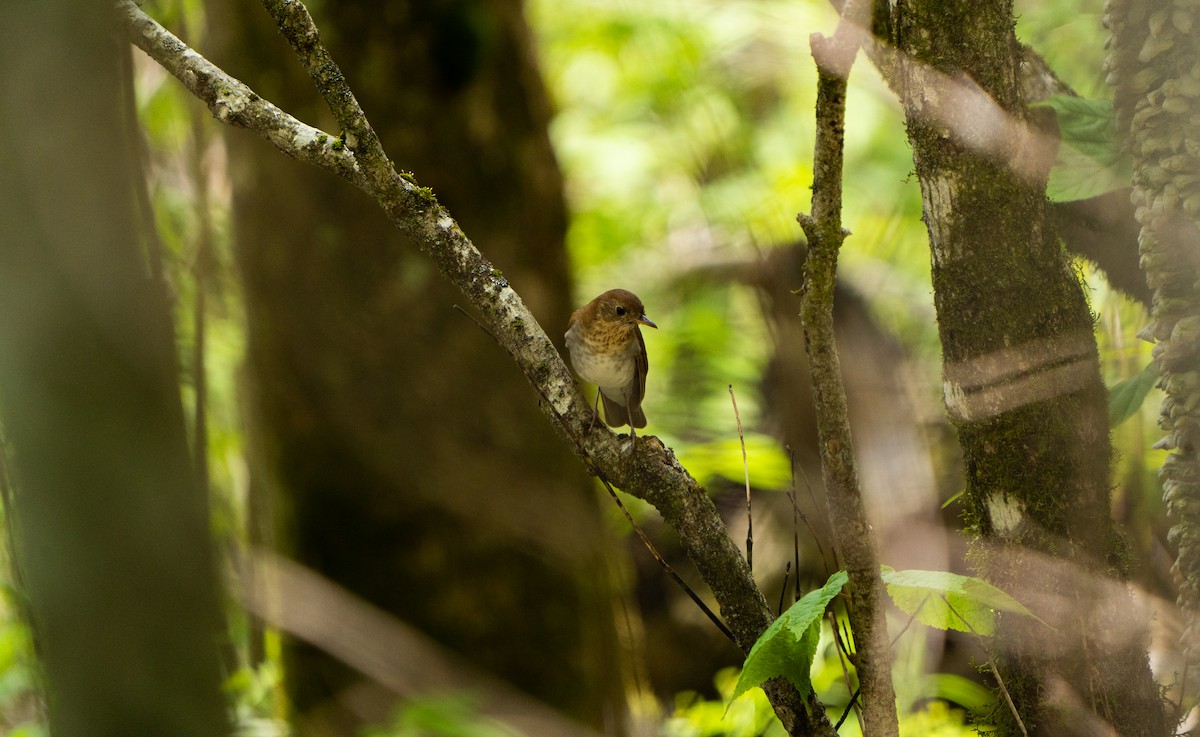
(788, 646)
(1126, 396)
(950, 601)
(1090, 160)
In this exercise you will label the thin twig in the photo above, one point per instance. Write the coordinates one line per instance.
(911, 618)
(667, 568)
(854, 697)
(797, 512)
(791, 495)
(1007, 697)
(1182, 694)
(787, 574)
(843, 650)
(745, 470)
(849, 707)
(478, 324)
(991, 666)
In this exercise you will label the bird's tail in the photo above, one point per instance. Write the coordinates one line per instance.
(616, 414)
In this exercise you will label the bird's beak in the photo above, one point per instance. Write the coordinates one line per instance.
(646, 321)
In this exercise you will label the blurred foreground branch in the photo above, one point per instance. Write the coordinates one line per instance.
(110, 530)
(312, 608)
(652, 473)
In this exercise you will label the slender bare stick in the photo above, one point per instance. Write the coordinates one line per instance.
(667, 567)
(798, 514)
(787, 574)
(991, 666)
(853, 537)
(857, 691)
(745, 470)
(1182, 695)
(791, 495)
(841, 641)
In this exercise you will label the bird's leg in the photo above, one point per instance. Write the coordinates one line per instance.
(595, 412)
(629, 416)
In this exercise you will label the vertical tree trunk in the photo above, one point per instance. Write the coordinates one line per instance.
(1021, 376)
(412, 463)
(1154, 66)
(111, 529)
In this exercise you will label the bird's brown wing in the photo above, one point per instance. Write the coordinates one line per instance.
(637, 386)
(617, 413)
(641, 368)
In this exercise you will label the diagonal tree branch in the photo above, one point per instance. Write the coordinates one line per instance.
(234, 103)
(652, 473)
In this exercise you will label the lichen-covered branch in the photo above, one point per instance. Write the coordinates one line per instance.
(234, 103)
(1154, 65)
(853, 537)
(652, 473)
(296, 25)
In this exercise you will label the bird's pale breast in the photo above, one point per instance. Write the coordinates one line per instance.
(608, 362)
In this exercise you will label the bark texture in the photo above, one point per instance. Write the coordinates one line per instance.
(853, 536)
(1021, 376)
(1154, 66)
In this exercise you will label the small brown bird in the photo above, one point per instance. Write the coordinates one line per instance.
(607, 349)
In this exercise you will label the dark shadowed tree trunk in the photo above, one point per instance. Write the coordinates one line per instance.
(110, 527)
(1021, 377)
(407, 455)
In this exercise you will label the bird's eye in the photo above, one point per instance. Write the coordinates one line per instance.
(620, 310)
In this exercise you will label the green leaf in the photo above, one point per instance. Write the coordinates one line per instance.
(1090, 160)
(957, 689)
(950, 601)
(1126, 396)
(954, 498)
(788, 646)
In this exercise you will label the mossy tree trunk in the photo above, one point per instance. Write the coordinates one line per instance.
(411, 462)
(1154, 64)
(1021, 376)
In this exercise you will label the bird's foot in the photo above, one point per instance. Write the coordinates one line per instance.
(632, 440)
(595, 415)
